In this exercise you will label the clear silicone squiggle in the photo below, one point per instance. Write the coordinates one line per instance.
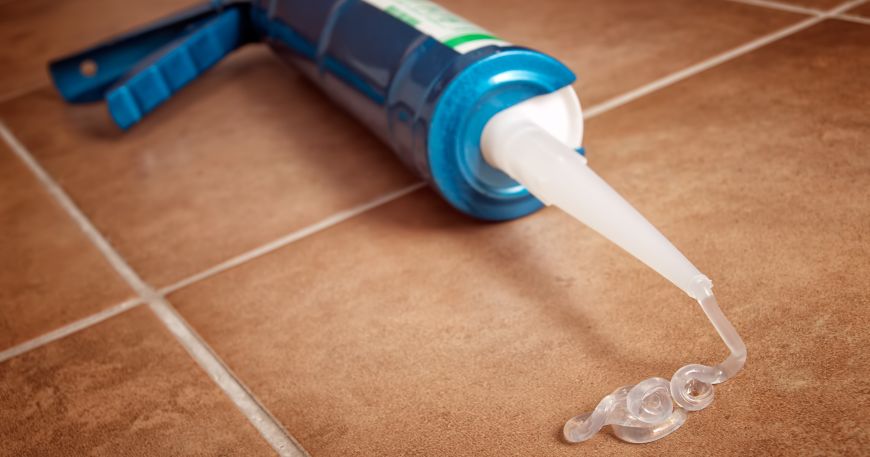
(656, 407)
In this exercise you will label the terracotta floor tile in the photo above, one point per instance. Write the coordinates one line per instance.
(50, 273)
(34, 31)
(247, 154)
(617, 46)
(411, 330)
(863, 10)
(123, 387)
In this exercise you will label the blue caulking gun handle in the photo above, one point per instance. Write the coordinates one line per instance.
(136, 72)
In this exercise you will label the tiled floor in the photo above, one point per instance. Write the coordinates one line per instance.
(368, 322)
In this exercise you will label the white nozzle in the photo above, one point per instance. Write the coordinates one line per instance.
(534, 144)
(557, 175)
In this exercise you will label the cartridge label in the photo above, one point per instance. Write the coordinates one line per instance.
(439, 23)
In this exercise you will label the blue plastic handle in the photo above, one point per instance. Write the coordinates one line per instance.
(137, 72)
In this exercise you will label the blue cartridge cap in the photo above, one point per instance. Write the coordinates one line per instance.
(476, 94)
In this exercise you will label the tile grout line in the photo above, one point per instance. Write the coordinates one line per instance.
(291, 237)
(714, 61)
(262, 420)
(846, 6)
(853, 18)
(260, 417)
(775, 5)
(69, 329)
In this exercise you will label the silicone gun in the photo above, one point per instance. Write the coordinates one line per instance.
(494, 128)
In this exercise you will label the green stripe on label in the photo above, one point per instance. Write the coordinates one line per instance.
(461, 39)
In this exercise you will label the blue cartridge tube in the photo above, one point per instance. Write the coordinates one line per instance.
(422, 79)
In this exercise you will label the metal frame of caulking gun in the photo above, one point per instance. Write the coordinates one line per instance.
(431, 111)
